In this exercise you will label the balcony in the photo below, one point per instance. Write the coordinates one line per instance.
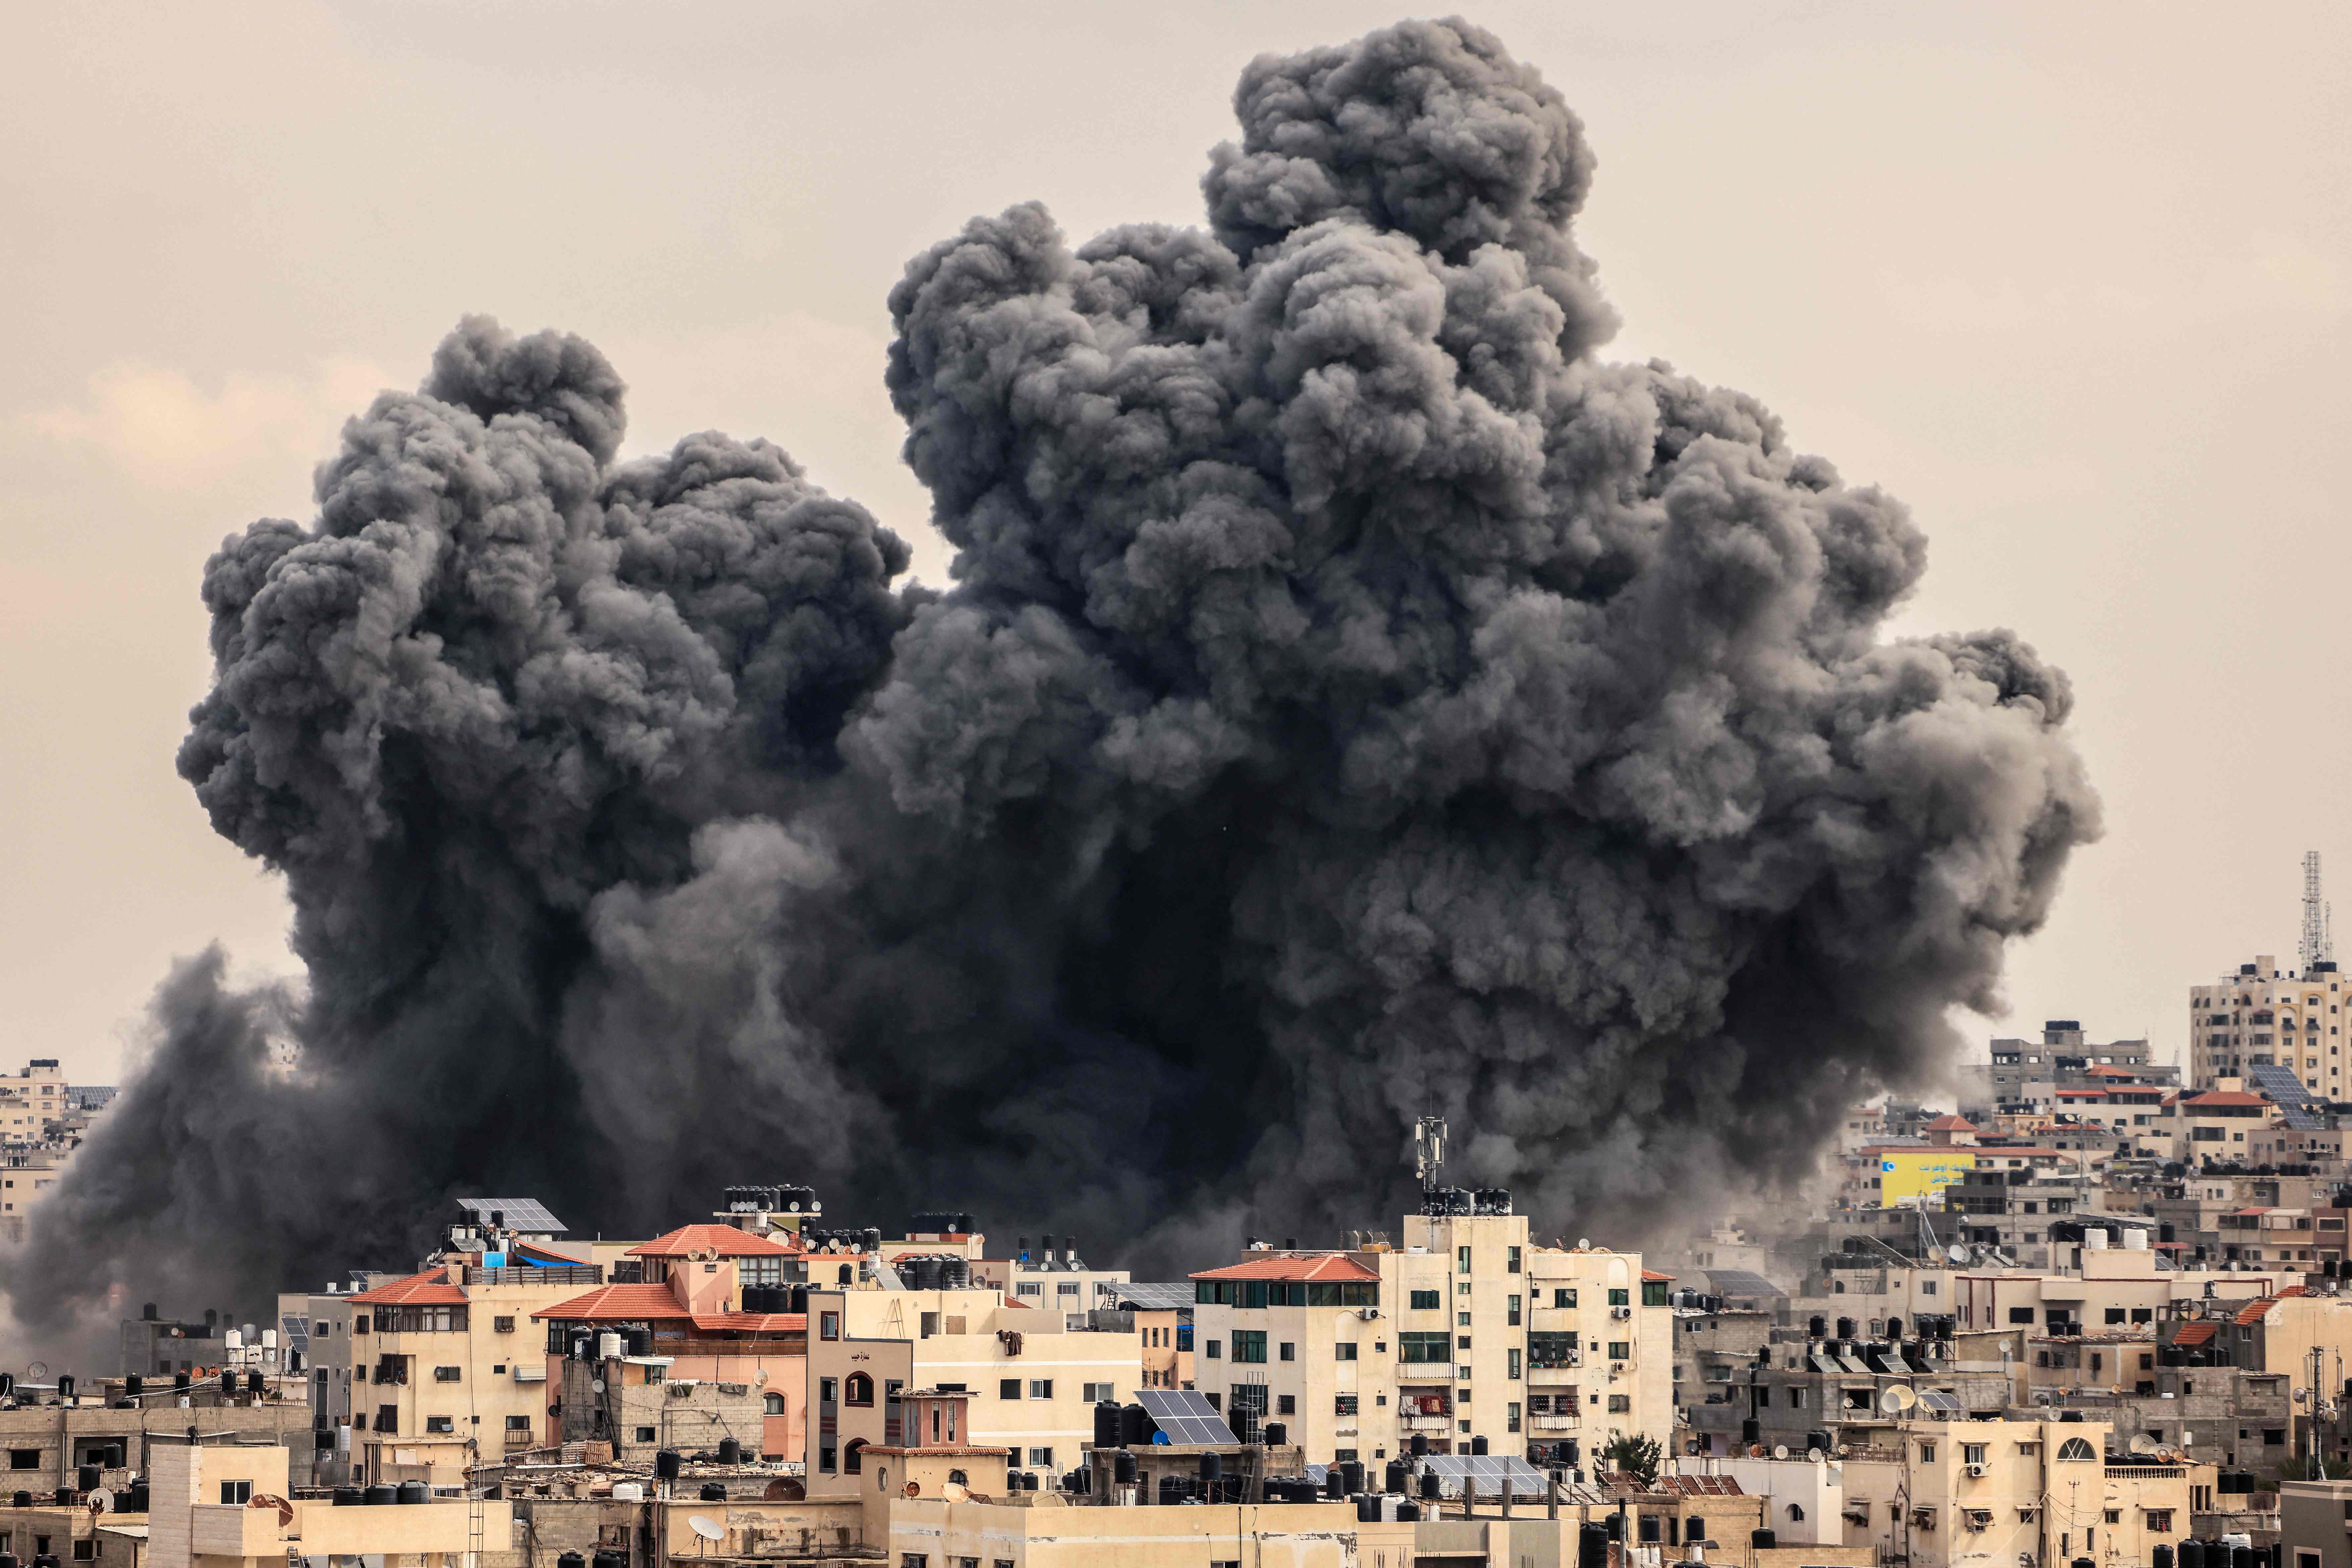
(525, 1438)
(1541, 1376)
(1425, 1423)
(1556, 1424)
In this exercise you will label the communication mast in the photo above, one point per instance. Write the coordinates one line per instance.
(1429, 1151)
(2317, 945)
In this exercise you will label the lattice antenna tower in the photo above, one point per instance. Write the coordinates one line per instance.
(2319, 943)
(1429, 1151)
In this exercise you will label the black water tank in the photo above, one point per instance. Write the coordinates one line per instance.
(67, 1497)
(799, 1300)
(1845, 1327)
(2192, 1553)
(1817, 1327)
(2161, 1557)
(2241, 1557)
(1335, 1485)
(1894, 1327)
(1106, 1423)
(179, 1383)
(1352, 1471)
(134, 1385)
(1430, 1490)
(64, 1388)
(1592, 1545)
(1211, 1467)
(730, 1451)
(1028, 1480)
(713, 1492)
(608, 1558)
(348, 1497)
(1420, 1445)
(229, 1383)
(1136, 1427)
(1368, 1508)
(7, 1559)
(641, 1341)
(21, 1499)
(87, 1478)
(1275, 1434)
(46, 1560)
(1761, 1540)
(2084, 1562)
(1408, 1512)
(571, 1560)
(1477, 1446)
(1080, 1481)
(667, 1464)
(1399, 1477)
(137, 1498)
(113, 1460)
(416, 1493)
(379, 1496)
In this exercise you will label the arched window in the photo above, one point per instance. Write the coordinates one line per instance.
(959, 1478)
(853, 1457)
(2075, 1449)
(774, 1403)
(858, 1389)
(1796, 1514)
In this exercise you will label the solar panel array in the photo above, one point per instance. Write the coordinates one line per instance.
(1186, 1415)
(1934, 1399)
(2301, 1107)
(1484, 1473)
(1740, 1282)
(526, 1214)
(296, 1330)
(1154, 1298)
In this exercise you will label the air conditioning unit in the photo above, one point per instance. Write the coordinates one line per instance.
(1975, 1472)
(1615, 1367)
(1368, 1313)
(1621, 1312)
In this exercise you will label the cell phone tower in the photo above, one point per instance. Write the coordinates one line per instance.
(2319, 943)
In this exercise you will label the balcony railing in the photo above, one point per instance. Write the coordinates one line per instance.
(1425, 1423)
(1556, 1423)
(570, 1275)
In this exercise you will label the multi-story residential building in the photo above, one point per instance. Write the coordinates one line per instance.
(2263, 1014)
(1935, 1495)
(2022, 1076)
(1035, 1379)
(1466, 1331)
(2214, 1126)
(1160, 1316)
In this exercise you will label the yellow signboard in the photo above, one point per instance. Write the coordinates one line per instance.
(1907, 1174)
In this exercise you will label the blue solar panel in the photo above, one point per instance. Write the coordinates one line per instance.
(1185, 1417)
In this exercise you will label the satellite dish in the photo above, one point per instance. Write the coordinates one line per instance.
(2143, 1444)
(706, 1527)
(1895, 1398)
(1817, 1456)
(1583, 1243)
(102, 1502)
(1843, 1450)
(37, 1370)
(913, 1488)
(1780, 1450)
(597, 1383)
(1956, 1253)
(955, 1493)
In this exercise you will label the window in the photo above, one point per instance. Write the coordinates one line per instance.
(1620, 1404)
(1511, 1416)
(1510, 1260)
(439, 1423)
(1563, 1297)
(1653, 1292)
(1552, 1347)
(1286, 1404)
(1513, 1356)
(913, 1560)
(828, 1461)
(2021, 1314)
(1009, 1388)
(234, 1492)
(1461, 1260)
(828, 1390)
(1213, 1349)
(2075, 1449)
(1041, 1388)
(360, 1324)
(1620, 1350)
(387, 1418)
(1461, 1341)
(1621, 1298)
(1287, 1350)
(1426, 1300)
(828, 1325)
(24, 1459)
(2159, 1521)
(444, 1374)
(1249, 1346)
(518, 1423)
(1461, 1320)
(853, 1457)
(1040, 1458)
(503, 1325)
(857, 1389)
(1029, 1287)
(1974, 1453)
(648, 1435)
(1421, 1347)
(1096, 1393)
(1511, 1310)
(1344, 1350)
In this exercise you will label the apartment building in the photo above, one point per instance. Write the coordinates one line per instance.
(210, 1506)
(2214, 1126)
(1600, 1348)
(1936, 1495)
(2263, 1014)
(1160, 1317)
(2023, 1077)
(1034, 1378)
(1288, 1337)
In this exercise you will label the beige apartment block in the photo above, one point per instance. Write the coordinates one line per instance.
(1600, 1348)
(2263, 1014)
(2118, 1289)
(1046, 1533)
(221, 1505)
(1289, 1338)
(2002, 1493)
(436, 1373)
(1032, 1378)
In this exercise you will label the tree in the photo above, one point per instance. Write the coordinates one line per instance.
(1634, 1454)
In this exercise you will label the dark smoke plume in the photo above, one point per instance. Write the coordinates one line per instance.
(1357, 700)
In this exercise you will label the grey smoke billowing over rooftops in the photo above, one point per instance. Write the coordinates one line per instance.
(1357, 699)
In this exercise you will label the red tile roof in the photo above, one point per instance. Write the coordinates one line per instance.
(1952, 1124)
(751, 1322)
(2228, 1096)
(2193, 1334)
(431, 1288)
(2253, 1313)
(617, 1304)
(1326, 1266)
(725, 1240)
(1651, 1276)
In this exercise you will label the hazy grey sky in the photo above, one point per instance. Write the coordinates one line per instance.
(2071, 281)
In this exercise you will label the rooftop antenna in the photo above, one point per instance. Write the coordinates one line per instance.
(2318, 942)
(1429, 1151)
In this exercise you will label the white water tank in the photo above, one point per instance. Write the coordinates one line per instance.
(608, 1345)
(2135, 1239)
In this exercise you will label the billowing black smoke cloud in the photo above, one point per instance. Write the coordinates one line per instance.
(1357, 700)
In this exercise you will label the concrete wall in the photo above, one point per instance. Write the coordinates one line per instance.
(59, 1432)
